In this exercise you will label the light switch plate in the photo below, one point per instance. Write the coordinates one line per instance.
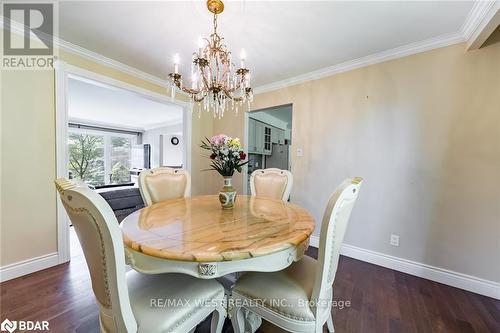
(300, 152)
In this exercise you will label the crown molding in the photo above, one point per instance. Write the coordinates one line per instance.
(486, 21)
(19, 29)
(399, 52)
(479, 12)
(108, 62)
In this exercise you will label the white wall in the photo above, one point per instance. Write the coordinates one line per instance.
(424, 132)
(152, 137)
(172, 154)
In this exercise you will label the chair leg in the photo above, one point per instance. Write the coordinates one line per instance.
(218, 318)
(329, 322)
(237, 320)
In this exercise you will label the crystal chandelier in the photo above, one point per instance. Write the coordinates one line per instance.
(216, 85)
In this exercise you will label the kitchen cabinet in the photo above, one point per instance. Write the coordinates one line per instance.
(274, 135)
(277, 135)
(281, 137)
(267, 140)
(252, 145)
(259, 137)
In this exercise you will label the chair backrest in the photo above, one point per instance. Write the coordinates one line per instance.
(101, 240)
(333, 228)
(163, 184)
(273, 183)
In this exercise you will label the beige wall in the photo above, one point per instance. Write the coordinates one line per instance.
(424, 132)
(28, 206)
(28, 225)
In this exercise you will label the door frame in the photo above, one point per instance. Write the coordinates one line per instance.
(64, 71)
(245, 136)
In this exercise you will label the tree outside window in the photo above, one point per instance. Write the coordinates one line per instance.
(121, 155)
(86, 158)
(100, 159)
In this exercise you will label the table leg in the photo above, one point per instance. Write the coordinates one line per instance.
(251, 320)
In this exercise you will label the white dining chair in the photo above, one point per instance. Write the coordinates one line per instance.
(299, 298)
(134, 302)
(164, 183)
(273, 183)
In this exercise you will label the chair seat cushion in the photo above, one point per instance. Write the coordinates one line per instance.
(162, 302)
(286, 292)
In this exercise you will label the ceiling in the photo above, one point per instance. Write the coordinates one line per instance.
(282, 112)
(282, 39)
(97, 104)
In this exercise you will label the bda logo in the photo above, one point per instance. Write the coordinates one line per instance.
(8, 326)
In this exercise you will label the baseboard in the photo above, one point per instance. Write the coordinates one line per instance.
(24, 267)
(451, 278)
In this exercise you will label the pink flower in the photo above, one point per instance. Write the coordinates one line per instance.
(217, 139)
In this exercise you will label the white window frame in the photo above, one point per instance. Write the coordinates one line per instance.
(107, 145)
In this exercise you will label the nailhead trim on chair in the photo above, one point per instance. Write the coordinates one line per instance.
(331, 273)
(107, 304)
(62, 185)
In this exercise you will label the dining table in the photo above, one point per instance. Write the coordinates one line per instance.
(195, 236)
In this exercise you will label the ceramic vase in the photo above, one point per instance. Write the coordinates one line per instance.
(227, 195)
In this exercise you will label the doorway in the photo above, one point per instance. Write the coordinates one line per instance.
(268, 135)
(108, 131)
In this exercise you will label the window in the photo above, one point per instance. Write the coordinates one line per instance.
(100, 157)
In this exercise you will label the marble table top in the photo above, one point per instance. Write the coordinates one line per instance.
(198, 229)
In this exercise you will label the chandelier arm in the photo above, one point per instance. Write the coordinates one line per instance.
(198, 99)
(190, 91)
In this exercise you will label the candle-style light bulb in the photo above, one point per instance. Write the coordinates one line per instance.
(176, 63)
(200, 46)
(243, 56)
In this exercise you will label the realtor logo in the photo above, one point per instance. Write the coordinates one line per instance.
(24, 325)
(8, 326)
(37, 22)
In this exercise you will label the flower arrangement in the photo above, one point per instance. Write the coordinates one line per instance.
(227, 154)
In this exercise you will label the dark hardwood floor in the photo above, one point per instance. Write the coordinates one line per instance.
(382, 300)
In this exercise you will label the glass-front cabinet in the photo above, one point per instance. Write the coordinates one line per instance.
(267, 140)
(259, 137)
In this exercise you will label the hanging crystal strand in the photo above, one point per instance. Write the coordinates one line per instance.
(193, 65)
(223, 107)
